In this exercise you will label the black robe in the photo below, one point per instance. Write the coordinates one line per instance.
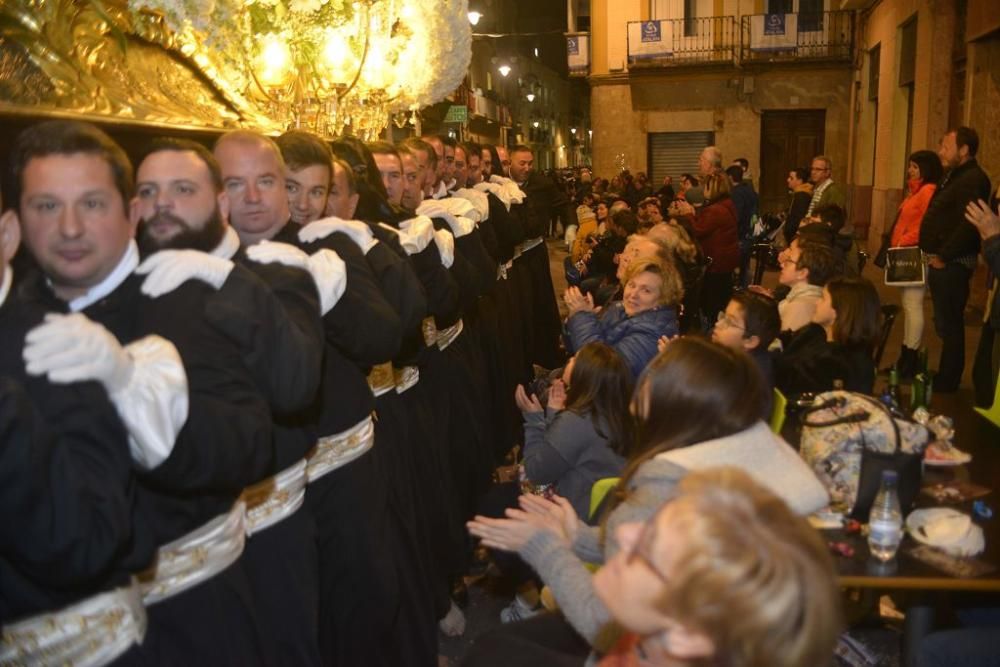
(225, 445)
(359, 583)
(283, 348)
(66, 484)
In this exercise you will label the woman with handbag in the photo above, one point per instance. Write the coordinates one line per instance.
(923, 173)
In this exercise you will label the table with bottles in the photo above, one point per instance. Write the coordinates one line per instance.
(922, 585)
(979, 438)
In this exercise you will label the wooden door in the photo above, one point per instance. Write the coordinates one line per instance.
(788, 139)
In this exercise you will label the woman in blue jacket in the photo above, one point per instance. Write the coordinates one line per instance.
(632, 326)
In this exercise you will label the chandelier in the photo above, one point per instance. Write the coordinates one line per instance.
(332, 67)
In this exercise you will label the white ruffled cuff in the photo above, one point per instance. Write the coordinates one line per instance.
(479, 201)
(153, 405)
(446, 247)
(330, 274)
(359, 232)
(418, 232)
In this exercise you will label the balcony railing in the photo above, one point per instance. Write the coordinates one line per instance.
(668, 42)
(797, 37)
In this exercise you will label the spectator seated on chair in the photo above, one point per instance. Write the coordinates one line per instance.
(805, 268)
(837, 345)
(632, 326)
(749, 324)
(699, 405)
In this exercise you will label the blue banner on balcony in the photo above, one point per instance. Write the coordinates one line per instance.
(773, 32)
(650, 39)
(578, 53)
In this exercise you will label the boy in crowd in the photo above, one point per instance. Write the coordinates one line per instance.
(750, 323)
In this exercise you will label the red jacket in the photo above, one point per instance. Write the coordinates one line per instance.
(715, 227)
(911, 212)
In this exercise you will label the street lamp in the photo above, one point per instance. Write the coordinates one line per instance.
(474, 17)
(535, 123)
(531, 97)
(504, 70)
(572, 131)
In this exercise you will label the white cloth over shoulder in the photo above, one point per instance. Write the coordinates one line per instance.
(478, 199)
(764, 456)
(359, 232)
(452, 211)
(415, 234)
(510, 189)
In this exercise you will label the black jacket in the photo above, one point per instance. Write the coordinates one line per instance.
(944, 231)
(66, 484)
(810, 363)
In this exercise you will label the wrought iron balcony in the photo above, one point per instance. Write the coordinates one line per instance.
(771, 38)
(709, 40)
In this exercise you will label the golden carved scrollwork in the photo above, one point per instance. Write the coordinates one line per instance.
(99, 59)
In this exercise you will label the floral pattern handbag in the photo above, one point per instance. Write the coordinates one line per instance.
(848, 438)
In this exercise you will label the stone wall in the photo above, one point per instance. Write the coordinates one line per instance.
(624, 112)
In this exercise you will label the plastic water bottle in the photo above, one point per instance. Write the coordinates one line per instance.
(885, 523)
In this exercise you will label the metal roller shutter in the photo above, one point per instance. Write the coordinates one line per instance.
(675, 153)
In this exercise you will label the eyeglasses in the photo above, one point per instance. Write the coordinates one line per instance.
(726, 322)
(643, 547)
(788, 260)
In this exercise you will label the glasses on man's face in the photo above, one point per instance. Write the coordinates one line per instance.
(818, 169)
(789, 260)
(727, 322)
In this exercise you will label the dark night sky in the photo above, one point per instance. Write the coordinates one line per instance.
(527, 16)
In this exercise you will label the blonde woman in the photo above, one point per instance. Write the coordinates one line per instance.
(648, 309)
(725, 574)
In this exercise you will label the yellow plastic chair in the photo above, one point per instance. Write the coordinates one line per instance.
(778, 411)
(599, 491)
(991, 413)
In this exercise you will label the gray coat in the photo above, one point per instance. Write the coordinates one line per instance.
(564, 448)
(765, 456)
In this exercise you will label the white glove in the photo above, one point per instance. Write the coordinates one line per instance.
(446, 246)
(330, 274)
(169, 269)
(270, 252)
(74, 348)
(145, 380)
(420, 231)
(359, 232)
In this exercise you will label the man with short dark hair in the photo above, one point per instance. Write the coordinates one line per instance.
(952, 244)
(413, 191)
(66, 480)
(284, 354)
(543, 201)
(390, 168)
(185, 502)
(801, 196)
